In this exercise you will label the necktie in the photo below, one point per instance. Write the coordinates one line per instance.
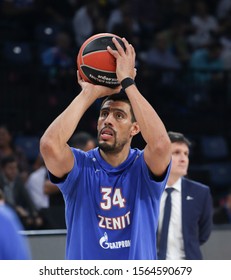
(165, 225)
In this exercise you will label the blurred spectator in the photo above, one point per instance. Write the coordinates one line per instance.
(35, 186)
(13, 246)
(175, 36)
(7, 148)
(207, 73)
(16, 194)
(205, 26)
(83, 141)
(222, 214)
(206, 63)
(58, 60)
(148, 17)
(122, 22)
(160, 58)
(88, 20)
(46, 197)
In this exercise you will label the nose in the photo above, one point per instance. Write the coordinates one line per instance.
(184, 158)
(109, 119)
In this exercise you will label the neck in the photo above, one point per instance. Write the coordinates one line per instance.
(115, 159)
(172, 179)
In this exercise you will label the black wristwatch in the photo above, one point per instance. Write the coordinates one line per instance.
(127, 82)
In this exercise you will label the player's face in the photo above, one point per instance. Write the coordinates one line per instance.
(115, 128)
(180, 159)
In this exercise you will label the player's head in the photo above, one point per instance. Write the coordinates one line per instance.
(116, 124)
(121, 96)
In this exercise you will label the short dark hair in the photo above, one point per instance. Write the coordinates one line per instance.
(177, 137)
(7, 159)
(121, 96)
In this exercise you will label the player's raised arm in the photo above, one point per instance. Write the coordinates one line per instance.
(55, 151)
(157, 152)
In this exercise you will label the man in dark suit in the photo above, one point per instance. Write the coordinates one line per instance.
(191, 207)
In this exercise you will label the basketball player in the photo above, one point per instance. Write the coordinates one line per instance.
(112, 193)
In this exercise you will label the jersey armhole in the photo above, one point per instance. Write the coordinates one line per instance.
(55, 179)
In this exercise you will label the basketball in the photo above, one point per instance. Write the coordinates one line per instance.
(95, 64)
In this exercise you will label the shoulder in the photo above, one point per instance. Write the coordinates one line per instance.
(81, 155)
(192, 183)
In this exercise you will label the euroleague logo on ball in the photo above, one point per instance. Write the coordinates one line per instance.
(95, 64)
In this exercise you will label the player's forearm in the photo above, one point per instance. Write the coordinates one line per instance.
(61, 129)
(151, 126)
(157, 152)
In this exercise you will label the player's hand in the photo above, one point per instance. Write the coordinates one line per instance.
(98, 90)
(125, 59)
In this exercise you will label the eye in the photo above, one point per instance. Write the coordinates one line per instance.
(104, 114)
(119, 116)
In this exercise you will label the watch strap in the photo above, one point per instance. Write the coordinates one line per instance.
(125, 83)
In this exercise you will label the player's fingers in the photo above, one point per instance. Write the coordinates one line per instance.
(132, 50)
(118, 46)
(112, 52)
(129, 47)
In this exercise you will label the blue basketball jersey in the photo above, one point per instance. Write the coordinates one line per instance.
(111, 212)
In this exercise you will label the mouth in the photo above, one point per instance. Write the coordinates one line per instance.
(106, 134)
(182, 165)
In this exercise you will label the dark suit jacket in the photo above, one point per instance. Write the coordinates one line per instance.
(21, 195)
(197, 220)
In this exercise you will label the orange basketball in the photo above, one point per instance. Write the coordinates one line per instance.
(95, 64)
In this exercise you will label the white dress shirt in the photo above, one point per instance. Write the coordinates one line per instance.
(175, 245)
(35, 186)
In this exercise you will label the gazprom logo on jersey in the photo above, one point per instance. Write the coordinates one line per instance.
(113, 245)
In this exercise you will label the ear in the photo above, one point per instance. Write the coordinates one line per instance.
(135, 129)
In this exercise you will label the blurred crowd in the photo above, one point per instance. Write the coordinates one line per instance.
(183, 64)
(26, 187)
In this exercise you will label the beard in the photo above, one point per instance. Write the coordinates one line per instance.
(113, 148)
(107, 148)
